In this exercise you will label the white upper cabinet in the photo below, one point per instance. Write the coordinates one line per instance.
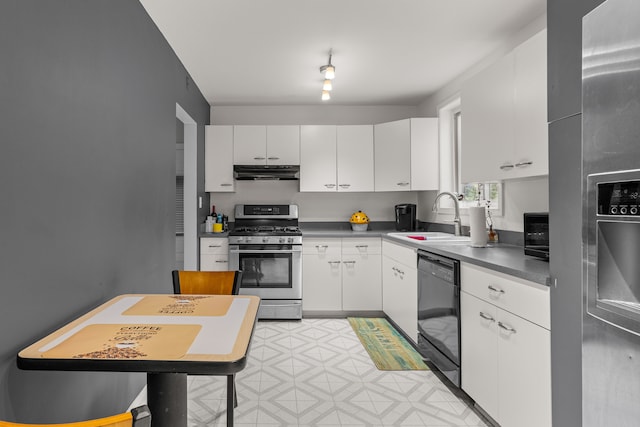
(218, 158)
(250, 145)
(504, 116)
(318, 153)
(532, 140)
(406, 155)
(283, 145)
(355, 158)
(393, 156)
(266, 145)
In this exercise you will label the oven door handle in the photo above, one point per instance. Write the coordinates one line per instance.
(262, 251)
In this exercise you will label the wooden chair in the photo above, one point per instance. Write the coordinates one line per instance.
(206, 282)
(137, 417)
(209, 283)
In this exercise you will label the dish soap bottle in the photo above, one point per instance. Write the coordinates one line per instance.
(493, 235)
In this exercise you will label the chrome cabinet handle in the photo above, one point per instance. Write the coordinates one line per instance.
(322, 247)
(397, 270)
(333, 262)
(494, 289)
(215, 246)
(362, 246)
(506, 327)
(522, 164)
(226, 185)
(259, 158)
(403, 184)
(487, 317)
(349, 262)
(273, 158)
(222, 261)
(330, 185)
(506, 167)
(345, 185)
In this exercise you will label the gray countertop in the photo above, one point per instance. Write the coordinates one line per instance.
(508, 259)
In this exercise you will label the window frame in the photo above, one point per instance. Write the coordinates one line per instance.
(450, 142)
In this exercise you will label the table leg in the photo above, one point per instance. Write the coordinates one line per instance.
(167, 399)
(230, 399)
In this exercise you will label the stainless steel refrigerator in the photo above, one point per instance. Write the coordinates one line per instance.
(611, 215)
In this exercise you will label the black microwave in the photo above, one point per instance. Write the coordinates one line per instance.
(536, 234)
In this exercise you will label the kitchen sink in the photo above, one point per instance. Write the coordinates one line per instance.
(430, 237)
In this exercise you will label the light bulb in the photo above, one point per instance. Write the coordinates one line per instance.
(330, 72)
(327, 85)
(326, 95)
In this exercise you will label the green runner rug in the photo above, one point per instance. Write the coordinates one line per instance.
(388, 349)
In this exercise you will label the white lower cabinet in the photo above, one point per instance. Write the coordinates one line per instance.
(341, 274)
(361, 274)
(214, 254)
(506, 358)
(400, 287)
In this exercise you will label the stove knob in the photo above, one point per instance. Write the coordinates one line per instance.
(290, 240)
(265, 240)
(247, 239)
(281, 240)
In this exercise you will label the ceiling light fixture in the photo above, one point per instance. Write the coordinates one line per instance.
(329, 72)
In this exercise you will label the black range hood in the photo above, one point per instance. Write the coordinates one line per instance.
(266, 172)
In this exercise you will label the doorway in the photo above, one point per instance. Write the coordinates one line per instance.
(189, 184)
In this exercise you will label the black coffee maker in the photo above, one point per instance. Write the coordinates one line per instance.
(406, 217)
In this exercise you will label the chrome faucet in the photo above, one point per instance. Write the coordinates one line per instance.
(456, 218)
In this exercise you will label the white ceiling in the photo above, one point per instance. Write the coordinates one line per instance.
(386, 52)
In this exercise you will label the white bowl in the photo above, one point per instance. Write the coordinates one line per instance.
(359, 227)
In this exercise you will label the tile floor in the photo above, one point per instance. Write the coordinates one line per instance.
(315, 372)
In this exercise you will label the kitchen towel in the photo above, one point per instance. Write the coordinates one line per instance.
(478, 225)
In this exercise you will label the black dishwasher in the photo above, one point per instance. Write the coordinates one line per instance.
(439, 313)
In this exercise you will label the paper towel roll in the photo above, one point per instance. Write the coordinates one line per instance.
(478, 225)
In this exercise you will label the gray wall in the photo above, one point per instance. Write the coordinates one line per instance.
(565, 204)
(87, 183)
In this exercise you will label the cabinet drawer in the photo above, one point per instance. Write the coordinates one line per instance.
(402, 254)
(521, 297)
(361, 246)
(212, 245)
(214, 262)
(331, 247)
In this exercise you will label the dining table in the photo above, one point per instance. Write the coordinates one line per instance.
(166, 336)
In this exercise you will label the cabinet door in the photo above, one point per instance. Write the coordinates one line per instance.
(361, 274)
(283, 145)
(487, 123)
(321, 275)
(479, 354)
(355, 158)
(250, 145)
(424, 154)
(524, 372)
(532, 141)
(400, 295)
(392, 147)
(218, 158)
(318, 158)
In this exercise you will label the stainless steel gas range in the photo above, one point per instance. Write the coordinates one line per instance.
(266, 244)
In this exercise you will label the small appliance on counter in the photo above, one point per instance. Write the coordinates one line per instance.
(406, 217)
(536, 234)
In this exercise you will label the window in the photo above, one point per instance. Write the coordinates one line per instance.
(487, 193)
